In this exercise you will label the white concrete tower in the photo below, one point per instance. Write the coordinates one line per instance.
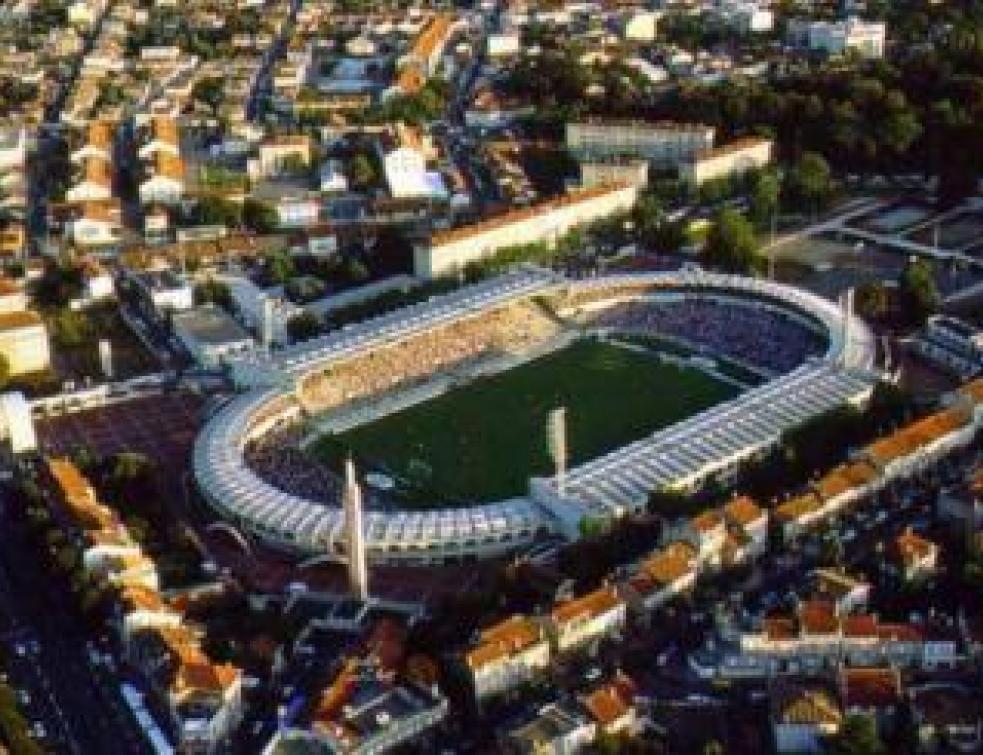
(846, 304)
(267, 324)
(358, 570)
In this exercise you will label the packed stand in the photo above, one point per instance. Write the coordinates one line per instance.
(755, 335)
(510, 330)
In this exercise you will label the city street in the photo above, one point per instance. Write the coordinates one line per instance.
(78, 706)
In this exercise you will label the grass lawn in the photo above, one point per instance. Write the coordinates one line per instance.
(484, 440)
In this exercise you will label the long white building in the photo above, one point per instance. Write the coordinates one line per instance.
(665, 144)
(546, 222)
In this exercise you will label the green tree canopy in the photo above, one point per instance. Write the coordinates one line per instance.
(303, 326)
(919, 293)
(731, 243)
(258, 216)
(280, 266)
(765, 192)
(810, 181)
(857, 736)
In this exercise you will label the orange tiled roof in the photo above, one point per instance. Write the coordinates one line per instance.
(593, 604)
(972, 390)
(99, 134)
(870, 687)
(98, 172)
(410, 80)
(169, 166)
(796, 508)
(916, 435)
(912, 547)
(819, 617)
(671, 563)
(504, 640)
(859, 626)
(164, 129)
(142, 598)
(525, 213)
(433, 34)
(72, 483)
(13, 320)
(610, 703)
(742, 511)
(707, 521)
(780, 628)
(797, 704)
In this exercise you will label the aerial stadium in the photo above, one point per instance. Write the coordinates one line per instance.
(667, 379)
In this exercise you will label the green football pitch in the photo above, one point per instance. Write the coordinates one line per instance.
(483, 440)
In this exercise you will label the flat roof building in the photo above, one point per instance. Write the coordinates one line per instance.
(210, 335)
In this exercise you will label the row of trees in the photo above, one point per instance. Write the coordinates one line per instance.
(252, 214)
(905, 302)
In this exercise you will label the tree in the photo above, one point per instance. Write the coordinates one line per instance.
(857, 736)
(280, 266)
(765, 192)
(872, 300)
(919, 294)
(71, 329)
(810, 181)
(356, 270)
(731, 242)
(212, 291)
(217, 211)
(362, 172)
(303, 326)
(260, 217)
(210, 91)
(392, 252)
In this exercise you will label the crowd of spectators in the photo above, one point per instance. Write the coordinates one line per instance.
(757, 335)
(510, 330)
(278, 459)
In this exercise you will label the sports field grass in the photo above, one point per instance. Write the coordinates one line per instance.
(482, 441)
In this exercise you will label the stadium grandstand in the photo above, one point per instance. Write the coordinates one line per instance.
(272, 497)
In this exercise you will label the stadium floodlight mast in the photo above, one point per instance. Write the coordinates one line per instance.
(556, 442)
(846, 307)
(358, 571)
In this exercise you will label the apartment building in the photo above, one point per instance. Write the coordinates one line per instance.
(404, 153)
(590, 617)
(280, 155)
(730, 160)
(546, 222)
(916, 557)
(94, 182)
(747, 530)
(614, 172)
(664, 575)
(164, 181)
(428, 45)
(816, 637)
(839, 37)
(24, 342)
(803, 714)
(664, 144)
(507, 655)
